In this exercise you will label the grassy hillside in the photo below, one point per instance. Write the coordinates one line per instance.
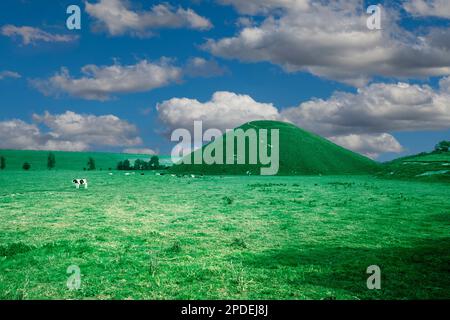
(301, 153)
(424, 166)
(65, 160)
(426, 157)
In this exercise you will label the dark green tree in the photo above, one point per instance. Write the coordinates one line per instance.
(126, 165)
(443, 146)
(140, 165)
(26, 166)
(119, 166)
(154, 163)
(2, 163)
(51, 161)
(91, 164)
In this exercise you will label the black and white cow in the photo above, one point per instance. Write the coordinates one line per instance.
(80, 182)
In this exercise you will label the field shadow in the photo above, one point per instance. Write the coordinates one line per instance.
(419, 272)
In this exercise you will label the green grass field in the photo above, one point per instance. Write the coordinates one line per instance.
(162, 237)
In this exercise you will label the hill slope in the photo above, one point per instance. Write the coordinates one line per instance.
(65, 160)
(301, 153)
(431, 166)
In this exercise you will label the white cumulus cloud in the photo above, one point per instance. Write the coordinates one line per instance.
(68, 131)
(377, 108)
(225, 110)
(116, 17)
(100, 82)
(330, 39)
(370, 145)
(31, 35)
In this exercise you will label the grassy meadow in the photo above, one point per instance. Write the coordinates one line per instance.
(163, 237)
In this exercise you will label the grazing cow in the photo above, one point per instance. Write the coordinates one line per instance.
(80, 182)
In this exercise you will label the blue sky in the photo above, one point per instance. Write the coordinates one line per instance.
(36, 105)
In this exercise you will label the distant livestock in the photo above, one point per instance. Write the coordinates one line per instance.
(80, 182)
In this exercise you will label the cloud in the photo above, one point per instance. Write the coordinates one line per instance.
(370, 145)
(9, 74)
(362, 121)
(428, 8)
(99, 83)
(117, 18)
(226, 110)
(330, 39)
(17, 134)
(254, 7)
(68, 132)
(199, 67)
(376, 109)
(30, 35)
(143, 151)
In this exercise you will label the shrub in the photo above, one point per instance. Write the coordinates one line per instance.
(91, 164)
(26, 166)
(51, 161)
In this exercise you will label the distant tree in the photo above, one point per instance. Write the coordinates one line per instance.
(51, 161)
(443, 146)
(140, 165)
(126, 165)
(26, 166)
(2, 163)
(91, 164)
(154, 163)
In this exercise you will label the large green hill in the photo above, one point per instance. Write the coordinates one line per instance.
(65, 160)
(301, 153)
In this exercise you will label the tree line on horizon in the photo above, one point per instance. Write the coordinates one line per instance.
(153, 163)
(51, 163)
(140, 165)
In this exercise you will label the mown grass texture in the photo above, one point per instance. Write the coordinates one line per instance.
(163, 237)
